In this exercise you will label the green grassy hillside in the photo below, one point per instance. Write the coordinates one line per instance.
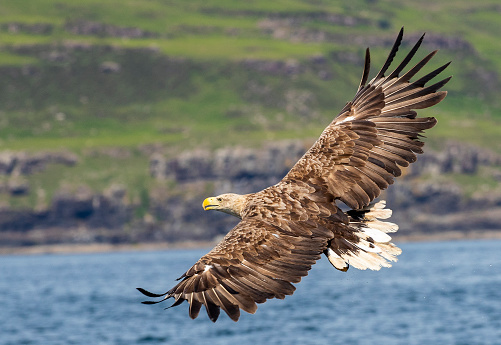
(92, 75)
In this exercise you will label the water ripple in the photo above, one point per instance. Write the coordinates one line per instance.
(438, 293)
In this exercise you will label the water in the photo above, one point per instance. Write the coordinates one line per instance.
(438, 293)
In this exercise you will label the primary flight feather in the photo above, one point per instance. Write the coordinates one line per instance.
(285, 228)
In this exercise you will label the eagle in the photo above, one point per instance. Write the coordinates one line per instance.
(284, 229)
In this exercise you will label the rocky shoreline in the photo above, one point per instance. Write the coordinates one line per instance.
(427, 202)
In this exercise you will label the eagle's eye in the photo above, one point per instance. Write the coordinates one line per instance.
(219, 199)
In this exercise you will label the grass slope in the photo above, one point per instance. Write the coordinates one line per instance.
(77, 75)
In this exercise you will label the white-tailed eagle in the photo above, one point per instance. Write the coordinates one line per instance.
(285, 228)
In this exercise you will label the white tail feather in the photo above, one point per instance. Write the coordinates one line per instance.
(383, 226)
(336, 261)
(376, 235)
(371, 248)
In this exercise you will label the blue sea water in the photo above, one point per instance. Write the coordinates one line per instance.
(437, 293)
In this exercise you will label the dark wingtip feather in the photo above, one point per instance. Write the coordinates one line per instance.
(438, 86)
(407, 59)
(367, 68)
(150, 294)
(422, 81)
(214, 313)
(392, 54)
(412, 72)
(177, 302)
(194, 309)
(151, 302)
(233, 312)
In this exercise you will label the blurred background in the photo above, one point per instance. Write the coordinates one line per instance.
(117, 118)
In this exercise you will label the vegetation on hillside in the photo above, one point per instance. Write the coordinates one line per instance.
(90, 76)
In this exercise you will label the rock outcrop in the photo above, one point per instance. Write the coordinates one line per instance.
(22, 163)
(16, 165)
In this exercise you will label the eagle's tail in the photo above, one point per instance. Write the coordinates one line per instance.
(365, 242)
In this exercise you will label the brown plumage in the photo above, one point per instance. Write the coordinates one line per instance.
(286, 227)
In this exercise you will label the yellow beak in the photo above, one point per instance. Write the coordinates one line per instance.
(210, 203)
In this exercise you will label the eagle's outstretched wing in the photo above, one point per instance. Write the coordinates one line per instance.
(362, 150)
(256, 261)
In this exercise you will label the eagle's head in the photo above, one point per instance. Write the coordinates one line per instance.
(228, 203)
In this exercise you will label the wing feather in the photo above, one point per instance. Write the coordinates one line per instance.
(280, 261)
(375, 134)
